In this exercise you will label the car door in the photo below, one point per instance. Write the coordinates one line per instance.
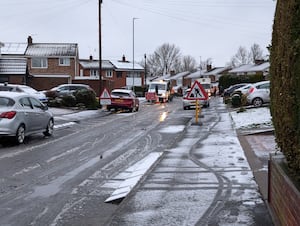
(264, 90)
(27, 114)
(39, 114)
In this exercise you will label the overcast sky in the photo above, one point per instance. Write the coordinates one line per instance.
(200, 28)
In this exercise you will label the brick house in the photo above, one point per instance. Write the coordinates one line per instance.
(45, 65)
(89, 74)
(128, 74)
(51, 64)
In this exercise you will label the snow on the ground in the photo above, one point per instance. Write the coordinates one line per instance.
(252, 118)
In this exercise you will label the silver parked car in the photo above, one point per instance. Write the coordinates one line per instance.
(188, 104)
(22, 114)
(259, 93)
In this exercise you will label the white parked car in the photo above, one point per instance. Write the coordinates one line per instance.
(23, 88)
(242, 90)
(259, 93)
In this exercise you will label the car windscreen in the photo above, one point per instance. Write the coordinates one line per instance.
(6, 102)
(159, 86)
(6, 88)
(120, 94)
(206, 86)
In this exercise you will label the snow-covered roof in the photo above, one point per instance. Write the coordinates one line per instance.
(197, 74)
(52, 49)
(13, 66)
(94, 64)
(126, 65)
(216, 71)
(163, 77)
(251, 68)
(179, 75)
(10, 48)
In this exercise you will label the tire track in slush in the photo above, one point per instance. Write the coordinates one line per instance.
(224, 184)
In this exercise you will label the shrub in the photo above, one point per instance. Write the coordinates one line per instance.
(68, 101)
(86, 98)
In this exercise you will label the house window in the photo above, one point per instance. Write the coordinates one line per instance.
(119, 74)
(109, 74)
(64, 61)
(94, 73)
(39, 63)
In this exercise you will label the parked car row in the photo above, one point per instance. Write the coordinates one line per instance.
(257, 94)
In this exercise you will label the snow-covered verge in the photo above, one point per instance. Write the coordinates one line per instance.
(252, 118)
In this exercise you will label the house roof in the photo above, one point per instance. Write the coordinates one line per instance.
(251, 68)
(197, 74)
(126, 65)
(94, 64)
(52, 49)
(216, 71)
(13, 66)
(179, 75)
(10, 48)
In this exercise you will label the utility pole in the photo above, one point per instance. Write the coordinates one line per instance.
(133, 19)
(100, 50)
(145, 56)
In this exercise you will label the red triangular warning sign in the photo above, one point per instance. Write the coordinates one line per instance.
(197, 92)
(105, 94)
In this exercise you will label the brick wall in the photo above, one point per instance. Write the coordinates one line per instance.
(54, 68)
(283, 196)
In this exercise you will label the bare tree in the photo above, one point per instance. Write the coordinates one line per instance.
(188, 63)
(256, 52)
(241, 57)
(164, 60)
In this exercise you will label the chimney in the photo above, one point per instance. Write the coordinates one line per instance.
(29, 40)
(208, 67)
(123, 58)
(91, 57)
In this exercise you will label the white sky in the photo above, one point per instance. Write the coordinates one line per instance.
(200, 28)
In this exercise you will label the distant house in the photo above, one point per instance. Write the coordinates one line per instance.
(215, 73)
(89, 74)
(128, 74)
(259, 68)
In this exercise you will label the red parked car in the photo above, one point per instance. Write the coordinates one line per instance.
(123, 99)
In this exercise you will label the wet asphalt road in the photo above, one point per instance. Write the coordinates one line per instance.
(199, 180)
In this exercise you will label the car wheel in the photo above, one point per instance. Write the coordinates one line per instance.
(20, 134)
(257, 102)
(49, 129)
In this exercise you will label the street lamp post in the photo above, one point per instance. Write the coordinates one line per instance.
(145, 56)
(133, 19)
(100, 50)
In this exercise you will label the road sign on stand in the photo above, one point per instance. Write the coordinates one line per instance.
(197, 92)
(105, 98)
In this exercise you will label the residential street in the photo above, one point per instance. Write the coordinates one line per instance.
(201, 178)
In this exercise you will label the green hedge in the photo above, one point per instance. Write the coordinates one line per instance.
(285, 81)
